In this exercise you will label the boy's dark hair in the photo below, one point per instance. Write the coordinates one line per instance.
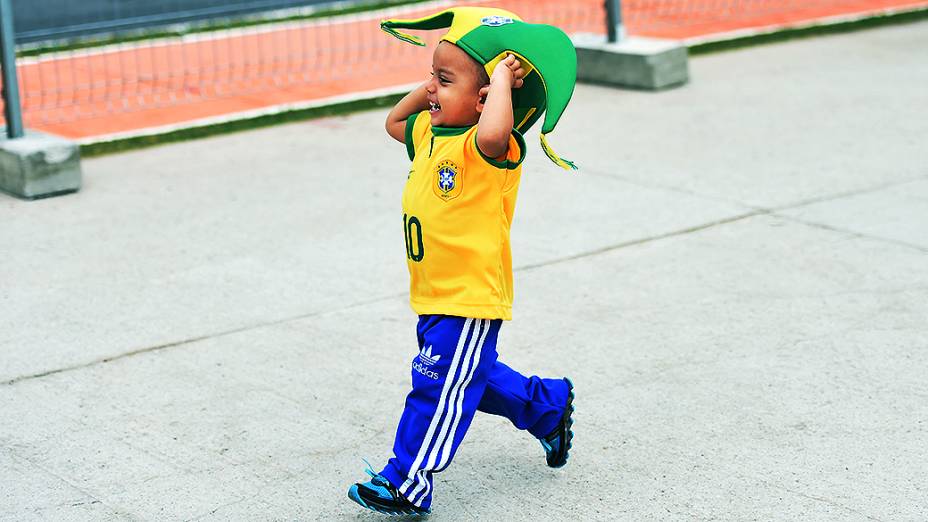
(480, 71)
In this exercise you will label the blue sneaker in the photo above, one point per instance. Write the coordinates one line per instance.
(380, 496)
(557, 443)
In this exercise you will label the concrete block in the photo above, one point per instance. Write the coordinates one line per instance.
(39, 165)
(635, 62)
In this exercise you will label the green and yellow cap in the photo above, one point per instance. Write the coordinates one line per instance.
(488, 35)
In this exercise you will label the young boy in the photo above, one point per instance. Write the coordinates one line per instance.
(458, 205)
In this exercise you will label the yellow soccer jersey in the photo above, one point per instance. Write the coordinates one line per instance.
(457, 209)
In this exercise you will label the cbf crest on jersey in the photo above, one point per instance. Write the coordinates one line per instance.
(448, 180)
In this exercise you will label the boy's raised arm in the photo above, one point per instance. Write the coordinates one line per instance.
(495, 123)
(415, 101)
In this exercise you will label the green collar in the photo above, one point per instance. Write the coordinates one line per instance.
(449, 131)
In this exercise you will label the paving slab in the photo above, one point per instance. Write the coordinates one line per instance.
(770, 127)
(897, 213)
(59, 499)
(241, 230)
(719, 375)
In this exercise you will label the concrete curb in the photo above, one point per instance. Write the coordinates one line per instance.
(39, 165)
(106, 144)
(830, 25)
(635, 62)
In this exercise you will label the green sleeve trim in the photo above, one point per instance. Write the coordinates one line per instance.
(410, 146)
(507, 164)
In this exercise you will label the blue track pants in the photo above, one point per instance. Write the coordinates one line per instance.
(454, 374)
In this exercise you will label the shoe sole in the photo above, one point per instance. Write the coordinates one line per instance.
(355, 495)
(568, 420)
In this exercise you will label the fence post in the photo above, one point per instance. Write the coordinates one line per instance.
(629, 61)
(11, 108)
(614, 27)
(34, 165)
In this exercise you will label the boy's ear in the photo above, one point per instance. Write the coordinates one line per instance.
(483, 97)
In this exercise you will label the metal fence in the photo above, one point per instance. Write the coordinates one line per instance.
(39, 20)
(161, 80)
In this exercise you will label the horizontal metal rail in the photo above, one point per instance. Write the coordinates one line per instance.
(40, 20)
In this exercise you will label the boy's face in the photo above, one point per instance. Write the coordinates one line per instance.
(453, 91)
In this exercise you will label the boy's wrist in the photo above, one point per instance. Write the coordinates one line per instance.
(507, 79)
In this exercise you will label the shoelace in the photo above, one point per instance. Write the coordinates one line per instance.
(376, 478)
(370, 469)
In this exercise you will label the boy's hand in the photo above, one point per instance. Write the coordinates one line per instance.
(509, 71)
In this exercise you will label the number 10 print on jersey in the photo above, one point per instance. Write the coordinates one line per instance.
(412, 229)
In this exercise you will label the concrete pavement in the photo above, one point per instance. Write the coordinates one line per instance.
(737, 281)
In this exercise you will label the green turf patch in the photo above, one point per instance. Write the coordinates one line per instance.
(807, 32)
(120, 145)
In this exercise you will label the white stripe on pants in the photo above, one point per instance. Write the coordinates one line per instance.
(459, 356)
